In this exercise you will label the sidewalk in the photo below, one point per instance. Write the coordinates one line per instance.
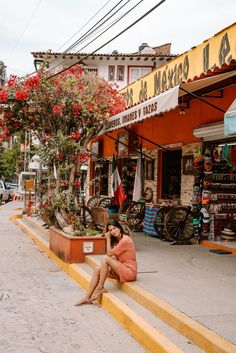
(193, 280)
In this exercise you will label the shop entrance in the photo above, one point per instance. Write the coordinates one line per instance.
(171, 174)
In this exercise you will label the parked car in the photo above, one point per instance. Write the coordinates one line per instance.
(5, 194)
(11, 188)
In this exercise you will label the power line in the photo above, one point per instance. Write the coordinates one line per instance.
(86, 34)
(110, 26)
(93, 30)
(119, 34)
(84, 25)
(25, 29)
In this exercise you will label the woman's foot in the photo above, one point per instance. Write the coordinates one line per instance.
(97, 293)
(83, 301)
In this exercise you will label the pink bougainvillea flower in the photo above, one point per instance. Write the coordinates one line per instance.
(32, 83)
(3, 96)
(12, 81)
(21, 95)
(75, 135)
(76, 107)
(78, 184)
(57, 110)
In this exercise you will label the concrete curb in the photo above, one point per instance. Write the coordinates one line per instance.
(216, 246)
(144, 333)
(203, 337)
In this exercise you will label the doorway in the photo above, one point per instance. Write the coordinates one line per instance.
(171, 174)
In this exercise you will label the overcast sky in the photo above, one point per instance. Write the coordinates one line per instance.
(39, 25)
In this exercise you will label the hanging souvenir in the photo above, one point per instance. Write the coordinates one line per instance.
(217, 154)
(227, 150)
(206, 197)
(207, 162)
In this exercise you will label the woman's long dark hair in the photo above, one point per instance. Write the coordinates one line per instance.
(116, 224)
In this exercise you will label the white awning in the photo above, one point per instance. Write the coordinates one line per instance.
(160, 104)
(230, 119)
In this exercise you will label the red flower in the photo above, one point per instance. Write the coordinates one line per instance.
(75, 135)
(32, 83)
(12, 81)
(21, 95)
(57, 110)
(3, 96)
(78, 184)
(76, 108)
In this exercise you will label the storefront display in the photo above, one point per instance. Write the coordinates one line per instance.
(218, 195)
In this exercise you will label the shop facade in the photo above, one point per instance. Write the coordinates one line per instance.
(171, 115)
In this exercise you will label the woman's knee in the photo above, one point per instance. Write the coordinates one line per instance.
(105, 259)
(97, 270)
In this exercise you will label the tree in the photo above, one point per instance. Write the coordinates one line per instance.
(62, 112)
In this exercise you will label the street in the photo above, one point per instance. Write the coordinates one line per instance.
(37, 303)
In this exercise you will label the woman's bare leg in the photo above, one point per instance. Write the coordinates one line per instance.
(92, 286)
(107, 262)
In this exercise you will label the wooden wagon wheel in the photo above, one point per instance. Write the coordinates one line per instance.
(85, 216)
(105, 202)
(93, 202)
(158, 221)
(135, 214)
(179, 224)
(122, 213)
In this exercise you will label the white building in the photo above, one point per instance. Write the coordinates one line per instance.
(118, 68)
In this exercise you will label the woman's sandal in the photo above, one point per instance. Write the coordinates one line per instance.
(97, 293)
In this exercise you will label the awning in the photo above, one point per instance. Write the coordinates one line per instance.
(230, 120)
(205, 82)
(160, 104)
(211, 132)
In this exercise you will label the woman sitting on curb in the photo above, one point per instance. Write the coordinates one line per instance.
(119, 261)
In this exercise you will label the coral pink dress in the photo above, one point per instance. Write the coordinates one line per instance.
(126, 255)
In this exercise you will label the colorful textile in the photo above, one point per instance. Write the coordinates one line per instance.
(150, 213)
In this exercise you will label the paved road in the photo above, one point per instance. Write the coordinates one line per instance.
(36, 303)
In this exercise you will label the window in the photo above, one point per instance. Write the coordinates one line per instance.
(111, 73)
(120, 73)
(91, 70)
(137, 72)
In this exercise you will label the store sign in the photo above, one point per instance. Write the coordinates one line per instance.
(154, 106)
(88, 247)
(212, 53)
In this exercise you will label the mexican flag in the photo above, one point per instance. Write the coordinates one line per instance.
(116, 184)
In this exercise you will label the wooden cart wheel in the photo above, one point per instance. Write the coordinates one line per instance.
(158, 221)
(85, 216)
(179, 224)
(105, 202)
(93, 202)
(122, 213)
(135, 214)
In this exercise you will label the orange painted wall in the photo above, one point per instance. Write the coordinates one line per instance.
(176, 128)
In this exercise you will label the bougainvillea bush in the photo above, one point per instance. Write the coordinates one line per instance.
(62, 112)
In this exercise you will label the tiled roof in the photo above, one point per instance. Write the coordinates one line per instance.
(120, 55)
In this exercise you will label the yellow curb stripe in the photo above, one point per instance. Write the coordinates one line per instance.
(203, 337)
(147, 335)
(211, 245)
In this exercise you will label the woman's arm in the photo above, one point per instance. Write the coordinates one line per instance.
(108, 240)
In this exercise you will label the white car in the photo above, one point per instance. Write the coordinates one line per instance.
(5, 194)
